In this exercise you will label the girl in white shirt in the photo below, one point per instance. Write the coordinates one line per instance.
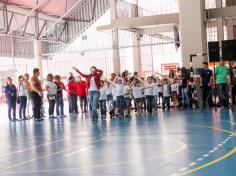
(127, 96)
(51, 89)
(174, 92)
(109, 100)
(137, 91)
(22, 97)
(102, 100)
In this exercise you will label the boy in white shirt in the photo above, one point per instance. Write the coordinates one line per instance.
(127, 96)
(119, 91)
(109, 101)
(174, 92)
(137, 91)
(102, 100)
(166, 94)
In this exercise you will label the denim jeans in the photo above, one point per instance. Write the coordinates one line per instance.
(93, 97)
(83, 101)
(102, 107)
(73, 104)
(155, 102)
(185, 98)
(59, 105)
(11, 104)
(120, 103)
(149, 100)
(166, 102)
(223, 94)
(22, 108)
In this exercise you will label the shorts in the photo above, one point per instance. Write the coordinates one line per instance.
(127, 102)
(109, 97)
(138, 100)
(174, 93)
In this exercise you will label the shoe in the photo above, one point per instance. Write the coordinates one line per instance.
(39, 119)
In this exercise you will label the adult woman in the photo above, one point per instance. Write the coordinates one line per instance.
(36, 94)
(72, 96)
(51, 89)
(11, 97)
(22, 89)
(93, 83)
(29, 99)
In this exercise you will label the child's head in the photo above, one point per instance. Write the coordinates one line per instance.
(57, 78)
(137, 83)
(149, 80)
(119, 81)
(165, 81)
(127, 83)
(102, 83)
(154, 80)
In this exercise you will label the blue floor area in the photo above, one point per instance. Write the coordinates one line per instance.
(174, 143)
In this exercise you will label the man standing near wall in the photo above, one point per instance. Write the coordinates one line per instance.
(222, 73)
(206, 77)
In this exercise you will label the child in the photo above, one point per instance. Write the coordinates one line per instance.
(102, 100)
(127, 96)
(118, 83)
(155, 94)
(166, 94)
(137, 90)
(160, 91)
(174, 92)
(109, 98)
(148, 91)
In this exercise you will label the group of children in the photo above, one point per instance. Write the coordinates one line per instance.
(116, 95)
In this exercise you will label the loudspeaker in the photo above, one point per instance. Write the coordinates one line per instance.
(214, 51)
(229, 50)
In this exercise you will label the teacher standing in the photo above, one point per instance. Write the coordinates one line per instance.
(93, 83)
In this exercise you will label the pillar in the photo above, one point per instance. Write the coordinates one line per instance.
(219, 23)
(37, 56)
(193, 31)
(137, 60)
(115, 39)
(231, 29)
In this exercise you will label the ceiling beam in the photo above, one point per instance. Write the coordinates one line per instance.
(68, 12)
(41, 4)
(141, 21)
(229, 11)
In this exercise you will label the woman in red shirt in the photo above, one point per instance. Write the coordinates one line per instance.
(72, 96)
(82, 94)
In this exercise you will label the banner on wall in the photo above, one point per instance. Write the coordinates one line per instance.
(165, 68)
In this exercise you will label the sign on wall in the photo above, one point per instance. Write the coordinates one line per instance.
(165, 68)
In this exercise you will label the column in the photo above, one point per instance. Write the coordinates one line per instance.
(137, 60)
(219, 23)
(193, 31)
(115, 39)
(37, 56)
(230, 25)
(13, 59)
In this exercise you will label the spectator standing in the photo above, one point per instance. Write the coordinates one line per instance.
(11, 99)
(222, 73)
(36, 94)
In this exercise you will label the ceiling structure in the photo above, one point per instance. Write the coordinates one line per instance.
(54, 22)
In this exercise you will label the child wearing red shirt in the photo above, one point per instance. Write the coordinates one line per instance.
(72, 96)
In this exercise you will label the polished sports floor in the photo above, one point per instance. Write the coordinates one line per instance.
(174, 143)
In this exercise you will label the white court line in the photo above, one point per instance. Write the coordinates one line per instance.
(34, 147)
(79, 151)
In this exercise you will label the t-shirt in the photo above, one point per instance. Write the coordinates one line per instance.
(11, 92)
(51, 88)
(72, 89)
(174, 87)
(127, 91)
(185, 79)
(119, 90)
(82, 88)
(109, 90)
(206, 77)
(137, 92)
(60, 87)
(93, 86)
(35, 80)
(103, 95)
(166, 90)
(221, 74)
(22, 89)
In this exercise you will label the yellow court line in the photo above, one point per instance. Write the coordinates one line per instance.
(209, 164)
(214, 161)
